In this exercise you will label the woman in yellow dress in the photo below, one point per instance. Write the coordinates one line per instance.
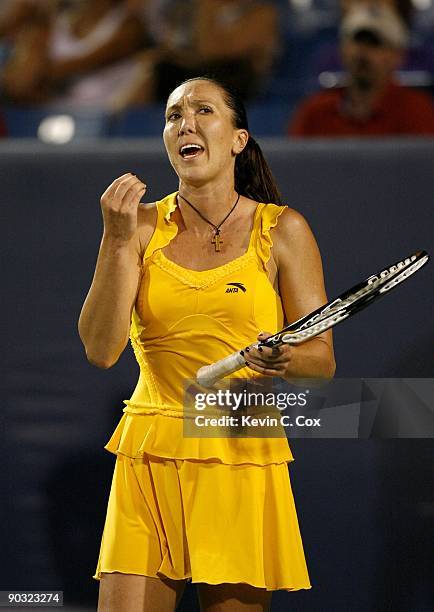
(216, 511)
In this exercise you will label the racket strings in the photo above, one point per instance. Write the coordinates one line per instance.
(404, 274)
(315, 329)
(372, 284)
(337, 310)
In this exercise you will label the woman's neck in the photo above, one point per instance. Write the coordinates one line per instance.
(213, 200)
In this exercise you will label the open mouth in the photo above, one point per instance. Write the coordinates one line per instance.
(188, 151)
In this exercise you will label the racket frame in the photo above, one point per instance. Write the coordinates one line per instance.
(323, 318)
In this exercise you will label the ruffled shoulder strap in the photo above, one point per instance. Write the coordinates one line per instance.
(266, 218)
(165, 229)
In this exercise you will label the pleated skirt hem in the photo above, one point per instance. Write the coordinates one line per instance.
(205, 522)
(206, 580)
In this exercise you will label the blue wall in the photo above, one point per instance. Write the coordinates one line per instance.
(362, 503)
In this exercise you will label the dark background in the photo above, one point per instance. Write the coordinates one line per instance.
(364, 506)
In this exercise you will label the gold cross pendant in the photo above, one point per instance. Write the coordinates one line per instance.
(217, 241)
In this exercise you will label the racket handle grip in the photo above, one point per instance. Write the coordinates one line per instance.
(208, 375)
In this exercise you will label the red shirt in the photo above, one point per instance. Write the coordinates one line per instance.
(400, 110)
(3, 131)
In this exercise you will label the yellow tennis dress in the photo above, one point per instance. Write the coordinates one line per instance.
(214, 510)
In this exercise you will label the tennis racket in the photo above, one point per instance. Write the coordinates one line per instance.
(329, 315)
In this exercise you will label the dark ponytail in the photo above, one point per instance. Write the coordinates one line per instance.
(253, 177)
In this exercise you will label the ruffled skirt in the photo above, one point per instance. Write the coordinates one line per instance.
(200, 518)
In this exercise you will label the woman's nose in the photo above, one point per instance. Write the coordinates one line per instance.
(188, 124)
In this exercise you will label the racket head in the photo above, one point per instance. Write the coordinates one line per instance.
(348, 303)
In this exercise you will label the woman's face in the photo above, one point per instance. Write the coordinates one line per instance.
(197, 115)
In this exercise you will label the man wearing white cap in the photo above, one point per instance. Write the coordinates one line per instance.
(373, 43)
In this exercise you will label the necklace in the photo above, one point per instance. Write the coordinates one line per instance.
(216, 240)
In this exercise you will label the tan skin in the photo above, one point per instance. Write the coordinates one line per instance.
(197, 113)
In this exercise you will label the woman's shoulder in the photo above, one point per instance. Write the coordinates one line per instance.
(292, 234)
(282, 218)
(290, 220)
(146, 221)
(147, 213)
(153, 214)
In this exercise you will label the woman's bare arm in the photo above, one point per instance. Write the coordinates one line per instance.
(301, 287)
(106, 314)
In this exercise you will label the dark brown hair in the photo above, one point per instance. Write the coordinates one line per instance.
(253, 177)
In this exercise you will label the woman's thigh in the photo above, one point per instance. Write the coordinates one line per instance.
(233, 598)
(133, 593)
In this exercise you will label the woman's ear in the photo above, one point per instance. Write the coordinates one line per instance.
(240, 141)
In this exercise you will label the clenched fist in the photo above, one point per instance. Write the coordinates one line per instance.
(119, 205)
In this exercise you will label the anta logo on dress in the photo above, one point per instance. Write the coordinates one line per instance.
(235, 287)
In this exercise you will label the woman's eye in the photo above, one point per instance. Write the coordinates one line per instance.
(205, 110)
(173, 116)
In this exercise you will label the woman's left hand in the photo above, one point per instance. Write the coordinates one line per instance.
(268, 361)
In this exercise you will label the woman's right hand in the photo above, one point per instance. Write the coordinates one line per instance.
(119, 205)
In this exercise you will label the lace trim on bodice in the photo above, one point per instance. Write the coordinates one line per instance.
(260, 244)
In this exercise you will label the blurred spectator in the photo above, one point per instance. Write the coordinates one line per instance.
(79, 56)
(24, 28)
(3, 130)
(233, 40)
(418, 62)
(152, 14)
(14, 14)
(373, 41)
(404, 8)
